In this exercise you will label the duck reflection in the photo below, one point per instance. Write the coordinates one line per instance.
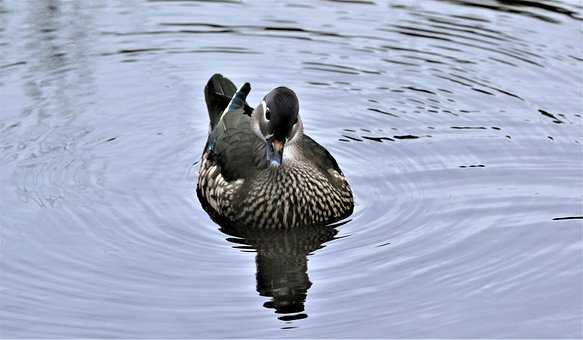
(282, 263)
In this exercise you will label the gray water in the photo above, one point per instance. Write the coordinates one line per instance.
(458, 124)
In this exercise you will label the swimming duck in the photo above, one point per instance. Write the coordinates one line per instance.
(259, 169)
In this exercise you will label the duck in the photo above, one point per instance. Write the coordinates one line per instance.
(260, 170)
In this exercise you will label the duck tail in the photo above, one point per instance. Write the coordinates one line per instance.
(218, 93)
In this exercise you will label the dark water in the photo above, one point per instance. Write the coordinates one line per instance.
(458, 124)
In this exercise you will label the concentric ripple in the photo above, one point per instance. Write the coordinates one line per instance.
(458, 123)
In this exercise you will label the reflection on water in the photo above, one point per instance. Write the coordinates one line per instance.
(282, 264)
(458, 123)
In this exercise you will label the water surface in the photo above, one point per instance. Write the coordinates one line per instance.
(458, 124)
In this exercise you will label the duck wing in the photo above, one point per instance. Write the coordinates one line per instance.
(218, 93)
(318, 156)
(232, 144)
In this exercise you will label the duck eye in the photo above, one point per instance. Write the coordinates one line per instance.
(267, 114)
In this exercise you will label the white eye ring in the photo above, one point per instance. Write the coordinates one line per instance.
(266, 110)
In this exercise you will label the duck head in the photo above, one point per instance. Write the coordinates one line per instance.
(277, 121)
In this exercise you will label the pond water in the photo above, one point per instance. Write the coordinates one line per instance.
(458, 124)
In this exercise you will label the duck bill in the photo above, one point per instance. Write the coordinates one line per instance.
(274, 151)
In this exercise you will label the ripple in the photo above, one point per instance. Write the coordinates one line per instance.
(456, 122)
(568, 218)
(517, 7)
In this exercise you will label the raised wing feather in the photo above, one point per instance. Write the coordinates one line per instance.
(232, 143)
(218, 93)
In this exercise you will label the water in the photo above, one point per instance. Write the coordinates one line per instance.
(458, 124)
